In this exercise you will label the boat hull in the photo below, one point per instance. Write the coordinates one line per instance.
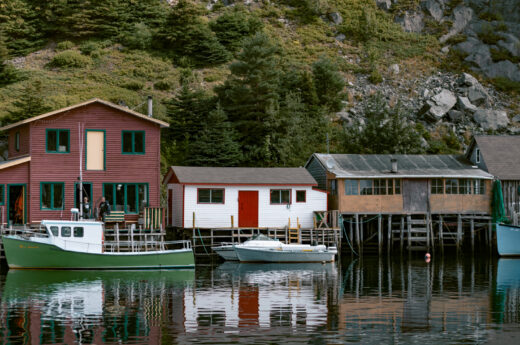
(275, 255)
(226, 252)
(508, 240)
(24, 254)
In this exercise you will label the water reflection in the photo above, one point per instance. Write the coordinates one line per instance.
(368, 300)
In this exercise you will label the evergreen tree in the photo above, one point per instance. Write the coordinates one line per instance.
(8, 73)
(329, 84)
(29, 104)
(233, 26)
(386, 131)
(21, 24)
(215, 145)
(250, 96)
(186, 34)
(186, 114)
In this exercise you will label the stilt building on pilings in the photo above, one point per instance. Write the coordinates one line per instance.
(406, 202)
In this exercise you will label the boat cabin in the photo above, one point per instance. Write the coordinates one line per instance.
(83, 236)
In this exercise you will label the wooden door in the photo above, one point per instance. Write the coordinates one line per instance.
(415, 195)
(95, 150)
(248, 209)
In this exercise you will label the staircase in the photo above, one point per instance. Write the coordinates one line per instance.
(418, 232)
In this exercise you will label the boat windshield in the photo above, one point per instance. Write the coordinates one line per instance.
(262, 237)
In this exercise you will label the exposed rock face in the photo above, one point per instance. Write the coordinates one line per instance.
(411, 21)
(464, 105)
(384, 4)
(460, 17)
(335, 17)
(438, 105)
(434, 8)
(491, 119)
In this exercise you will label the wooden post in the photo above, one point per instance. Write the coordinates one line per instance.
(379, 234)
(132, 237)
(357, 232)
(351, 235)
(409, 227)
(459, 231)
(441, 236)
(389, 233)
(232, 222)
(361, 232)
(428, 226)
(116, 229)
(193, 225)
(402, 234)
(472, 233)
(490, 235)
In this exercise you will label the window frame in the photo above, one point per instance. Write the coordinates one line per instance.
(477, 155)
(481, 183)
(280, 190)
(211, 202)
(435, 188)
(448, 189)
(58, 131)
(17, 141)
(397, 186)
(133, 142)
(361, 187)
(349, 187)
(465, 186)
(124, 185)
(2, 194)
(52, 208)
(304, 196)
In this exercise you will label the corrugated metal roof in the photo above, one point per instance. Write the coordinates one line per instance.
(418, 166)
(94, 100)
(225, 175)
(501, 155)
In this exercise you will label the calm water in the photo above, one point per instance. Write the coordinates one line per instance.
(369, 301)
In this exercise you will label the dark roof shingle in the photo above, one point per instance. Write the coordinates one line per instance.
(225, 175)
(501, 155)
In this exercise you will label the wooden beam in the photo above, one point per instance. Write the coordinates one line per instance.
(379, 234)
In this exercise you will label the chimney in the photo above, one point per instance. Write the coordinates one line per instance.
(150, 106)
(394, 165)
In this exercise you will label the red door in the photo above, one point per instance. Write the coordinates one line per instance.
(248, 209)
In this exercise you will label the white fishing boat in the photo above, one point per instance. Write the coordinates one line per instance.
(287, 253)
(227, 250)
(508, 240)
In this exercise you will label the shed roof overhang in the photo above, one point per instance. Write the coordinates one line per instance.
(13, 162)
(92, 101)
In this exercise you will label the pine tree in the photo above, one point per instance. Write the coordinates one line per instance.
(29, 104)
(233, 26)
(250, 96)
(215, 145)
(21, 24)
(329, 84)
(8, 73)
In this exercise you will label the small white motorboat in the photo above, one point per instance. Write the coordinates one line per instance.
(227, 250)
(287, 253)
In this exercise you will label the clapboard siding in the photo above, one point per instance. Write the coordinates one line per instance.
(24, 141)
(219, 215)
(18, 174)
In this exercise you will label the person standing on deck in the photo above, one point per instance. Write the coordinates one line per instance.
(104, 208)
(86, 208)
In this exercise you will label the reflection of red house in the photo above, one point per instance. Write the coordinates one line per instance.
(248, 304)
(119, 151)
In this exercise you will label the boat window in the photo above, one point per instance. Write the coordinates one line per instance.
(65, 231)
(54, 230)
(78, 231)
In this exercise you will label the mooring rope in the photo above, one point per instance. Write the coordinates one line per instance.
(201, 240)
(346, 236)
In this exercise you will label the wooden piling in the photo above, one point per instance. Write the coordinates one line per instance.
(361, 235)
(232, 222)
(357, 233)
(409, 227)
(379, 234)
(490, 236)
(441, 237)
(402, 234)
(193, 221)
(116, 229)
(459, 231)
(472, 233)
(389, 233)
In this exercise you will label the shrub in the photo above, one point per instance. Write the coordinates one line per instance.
(502, 54)
(70, 58)
(490, 16)
(64, 45)
(88, 47)
(140, 37)
(163, 85)
(456, 39)
(505, 84)
(133, 85)
(375, 77)
(488, 35)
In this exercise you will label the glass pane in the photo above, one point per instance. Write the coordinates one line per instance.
(139, 142)
(142, 196)
(1, 194)
(286, 197)
(131, 198)
(217, 196)
(64, 141)
(300, 196)
(275, 196)
(52, 141)
(390, 187)
(366, 187)
(54, 230)
(46, 195)
(78, 232)
(204, 195)
(127, 142)
(397, 186)
(58, 195)
(109, 194)
(65, 231)
(120, 197)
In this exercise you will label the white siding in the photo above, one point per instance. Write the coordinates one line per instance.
(176, 204)
(275, 216)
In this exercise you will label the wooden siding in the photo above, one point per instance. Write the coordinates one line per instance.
(219, 215)
(18, 174)
(176, 204)
(24, 141)
(439, 203)
(318, 172)
(119, 168)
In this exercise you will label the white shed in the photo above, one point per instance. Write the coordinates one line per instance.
(242, 197)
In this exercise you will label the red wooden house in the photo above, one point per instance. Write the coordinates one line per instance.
(117, 149)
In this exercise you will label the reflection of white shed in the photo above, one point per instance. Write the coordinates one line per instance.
(243, 197)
